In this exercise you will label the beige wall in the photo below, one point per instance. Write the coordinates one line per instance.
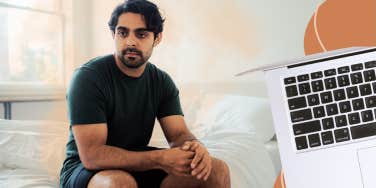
(204, 40)
(211, 40)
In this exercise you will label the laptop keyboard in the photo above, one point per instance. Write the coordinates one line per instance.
(332, 106)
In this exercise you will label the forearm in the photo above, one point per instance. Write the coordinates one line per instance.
(110, 157)
(180, 138)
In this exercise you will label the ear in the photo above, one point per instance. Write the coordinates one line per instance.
(157, 39)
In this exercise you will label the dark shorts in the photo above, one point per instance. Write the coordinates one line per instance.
(145, 179)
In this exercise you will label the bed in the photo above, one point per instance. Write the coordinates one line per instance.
(232, 120)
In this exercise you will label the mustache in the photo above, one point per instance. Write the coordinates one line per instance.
(131, 50)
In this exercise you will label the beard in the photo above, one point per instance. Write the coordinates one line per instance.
(132, 62)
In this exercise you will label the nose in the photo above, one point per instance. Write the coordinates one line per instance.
(131, 40)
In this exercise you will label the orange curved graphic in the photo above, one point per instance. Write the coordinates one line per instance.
(340, 24)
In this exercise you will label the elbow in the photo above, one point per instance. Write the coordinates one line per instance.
(89, 161)
(89, 165)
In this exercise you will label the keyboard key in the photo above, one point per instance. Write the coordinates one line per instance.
(315, 75)
(313, 100)
(331, 109)
(343, 80)
(307, 127)
(369, 75)
(357, 104)
(330, 72)
(296, 103)
(304, 88)
(301, 115)
(327, 137)
(314, 140)
(367, 115)
(326, 97)
(343, 69)
(317, 85)
(342, 135)
(344, 106)
(341, 120)
(356, 78)
(319, 112)
(365, 89)
(357, 67)
(364, 130)
(374, 87)
(370, 101)
(352, 92)
(290, 80)
(301, 142)
(354, 118)
(291, 91)
(327, 123)
(339, 94)
(370, 64)
(303, 77)
(330, 83)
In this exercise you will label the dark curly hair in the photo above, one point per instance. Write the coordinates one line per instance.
(149, 11)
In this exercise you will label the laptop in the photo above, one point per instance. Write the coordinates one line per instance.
(324, 113)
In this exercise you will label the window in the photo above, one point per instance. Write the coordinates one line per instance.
(31, 45)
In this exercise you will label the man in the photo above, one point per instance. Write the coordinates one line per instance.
(113, 102)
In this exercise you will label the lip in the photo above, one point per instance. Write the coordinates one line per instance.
(132, 54)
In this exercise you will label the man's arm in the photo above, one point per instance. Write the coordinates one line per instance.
(95, 154)
(175, 130)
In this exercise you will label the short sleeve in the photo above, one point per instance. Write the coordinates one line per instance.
(85, 98)
(170, 102)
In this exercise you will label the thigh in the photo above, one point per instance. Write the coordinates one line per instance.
(80, 177)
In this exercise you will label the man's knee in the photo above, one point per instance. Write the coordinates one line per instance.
(112, 179)
(220, 172)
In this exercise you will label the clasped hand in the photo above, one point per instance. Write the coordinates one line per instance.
(201, 164)
(191, 159)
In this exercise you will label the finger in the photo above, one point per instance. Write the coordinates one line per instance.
(194, 146)
(203, 173)
(198, 157)
(186, 146)
(199, 168)
(208, 173)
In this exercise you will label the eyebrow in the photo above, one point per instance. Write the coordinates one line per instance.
(136, 30)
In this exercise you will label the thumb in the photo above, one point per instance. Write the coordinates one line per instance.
(186, 146)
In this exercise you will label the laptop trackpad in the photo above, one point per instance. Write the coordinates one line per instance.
(368, 166)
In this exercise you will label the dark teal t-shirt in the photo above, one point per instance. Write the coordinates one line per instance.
(100, 93)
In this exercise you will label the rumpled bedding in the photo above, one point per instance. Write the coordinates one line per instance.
(31, 154)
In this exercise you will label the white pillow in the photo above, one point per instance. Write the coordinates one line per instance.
(234, 113)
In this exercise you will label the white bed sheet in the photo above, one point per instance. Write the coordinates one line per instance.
(25, 178)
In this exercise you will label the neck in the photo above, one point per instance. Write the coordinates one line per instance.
(137, 72)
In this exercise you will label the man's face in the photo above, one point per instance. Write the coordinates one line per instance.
(134, 44)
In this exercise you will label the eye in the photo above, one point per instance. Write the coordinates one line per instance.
(142, 34)
(122, 33)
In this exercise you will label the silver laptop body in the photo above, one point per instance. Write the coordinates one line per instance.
(324, 113)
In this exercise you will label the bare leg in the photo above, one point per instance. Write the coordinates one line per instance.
(112, 179)
(219, 178)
